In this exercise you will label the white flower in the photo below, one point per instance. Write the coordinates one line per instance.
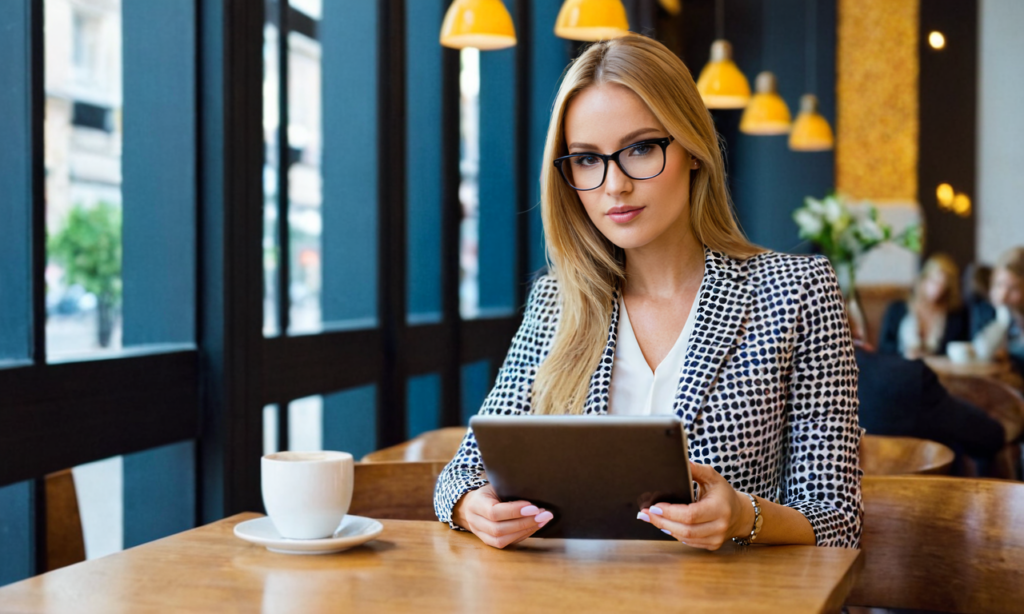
(810, 224)
(833, 210)
(870, 230)
(815, 206)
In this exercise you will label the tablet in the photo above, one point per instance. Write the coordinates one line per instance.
(593, 472)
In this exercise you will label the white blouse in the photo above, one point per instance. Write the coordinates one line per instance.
(635, 390)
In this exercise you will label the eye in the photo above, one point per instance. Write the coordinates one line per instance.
(586, 161)
(641, 149)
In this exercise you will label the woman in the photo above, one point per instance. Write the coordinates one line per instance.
(657, 304)
(998, 326)
(933, 316)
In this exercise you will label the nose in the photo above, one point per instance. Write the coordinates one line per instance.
(616, 182)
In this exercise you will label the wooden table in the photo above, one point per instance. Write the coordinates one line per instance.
(944, 366)
(424, 566)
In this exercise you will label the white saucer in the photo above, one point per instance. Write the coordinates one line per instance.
(353, 531)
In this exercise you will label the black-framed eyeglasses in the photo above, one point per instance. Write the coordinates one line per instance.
(587, 171)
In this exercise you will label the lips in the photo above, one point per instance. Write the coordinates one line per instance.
(621, 215)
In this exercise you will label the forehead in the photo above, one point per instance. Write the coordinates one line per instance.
(1006, 276)
(603, 113)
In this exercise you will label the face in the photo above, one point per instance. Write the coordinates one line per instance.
(630, 213)
(933, 287)
(1007, 289)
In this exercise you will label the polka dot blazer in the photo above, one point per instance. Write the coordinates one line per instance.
(767, 392)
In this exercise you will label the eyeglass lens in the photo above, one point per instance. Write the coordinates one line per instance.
(641, 161)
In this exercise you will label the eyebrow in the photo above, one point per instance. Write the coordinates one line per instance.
(624, 141)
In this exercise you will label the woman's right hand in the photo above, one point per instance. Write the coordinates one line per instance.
(498, 524)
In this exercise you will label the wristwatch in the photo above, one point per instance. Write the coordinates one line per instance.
(758, 521)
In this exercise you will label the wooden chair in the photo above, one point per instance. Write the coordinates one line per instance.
(65, 542)
(941, 543)
(438, 445)
(882, 455)
(1005, 405)
(397, 490)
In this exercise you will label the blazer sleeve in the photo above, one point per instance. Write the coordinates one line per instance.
(511, 394)
(889, 340)
(822, 475)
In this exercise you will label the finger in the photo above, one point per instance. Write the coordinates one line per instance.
(503, 541)
(692, 513)
(705, 474)
(529, 523)
(687, 532)
(509, 511)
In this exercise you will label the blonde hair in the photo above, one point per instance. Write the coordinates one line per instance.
(951, 300)
(590, 268)
(1012, 260)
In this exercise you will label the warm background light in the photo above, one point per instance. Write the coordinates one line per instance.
(944, 194)
(481, 24)
(962, 205)
(591, 20)
(936, 40)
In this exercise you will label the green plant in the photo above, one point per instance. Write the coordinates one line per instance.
(88, 247)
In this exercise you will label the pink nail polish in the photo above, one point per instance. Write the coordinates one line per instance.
(543, 517)
(643, 516)
(529, 510)
(657, 510)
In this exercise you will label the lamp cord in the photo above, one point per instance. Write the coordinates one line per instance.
(812, 47)
(719, 19)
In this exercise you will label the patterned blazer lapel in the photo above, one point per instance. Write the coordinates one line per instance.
(597, 394)
(722, 305)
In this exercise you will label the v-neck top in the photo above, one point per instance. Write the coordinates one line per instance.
(634, 389)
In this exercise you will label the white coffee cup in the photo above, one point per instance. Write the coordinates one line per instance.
(960, 352)
(307, 493)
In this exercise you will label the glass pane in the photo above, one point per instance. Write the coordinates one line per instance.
(469, 187)
(498, 198)
(476, 383)
(423, 160)
(100, 490)
(83, 176)
(423, 404)
(15, 170)
(305, 222)
(306, 424)
(350, 421)
(270, 413)
(348, 34)
(271, 128)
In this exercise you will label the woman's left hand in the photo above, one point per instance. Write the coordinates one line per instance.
(721, 514)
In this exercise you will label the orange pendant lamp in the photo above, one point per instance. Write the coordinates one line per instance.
(484, 24)
(767, 113)
(811, 131)
(721, 84)
(591, 20)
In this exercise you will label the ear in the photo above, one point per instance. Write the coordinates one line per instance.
(694, 163)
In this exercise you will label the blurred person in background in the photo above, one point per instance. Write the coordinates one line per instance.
(904, 398)
(932, 317)
(998, 325)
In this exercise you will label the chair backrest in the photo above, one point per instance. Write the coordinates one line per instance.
(883, 455)
(943, 544)
(998, 400)
(438, 445)
(397, 490)
(65, 541)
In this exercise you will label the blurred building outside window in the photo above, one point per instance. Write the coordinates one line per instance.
(469, 187)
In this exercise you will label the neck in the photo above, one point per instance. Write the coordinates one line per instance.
(665, 268)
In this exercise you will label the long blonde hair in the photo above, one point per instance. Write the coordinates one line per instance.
(588, 267)
(951, 300)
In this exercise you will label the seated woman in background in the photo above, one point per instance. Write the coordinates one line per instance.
(656, 303)
(998, 325)
(934, 315)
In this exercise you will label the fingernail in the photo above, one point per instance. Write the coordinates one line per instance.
(657, 510)
(542, 525)
(666, 532)
(643, 516)
(529, 510)
(543, 517)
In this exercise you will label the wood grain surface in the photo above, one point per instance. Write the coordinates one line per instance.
(424, 566)
(885, 455)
